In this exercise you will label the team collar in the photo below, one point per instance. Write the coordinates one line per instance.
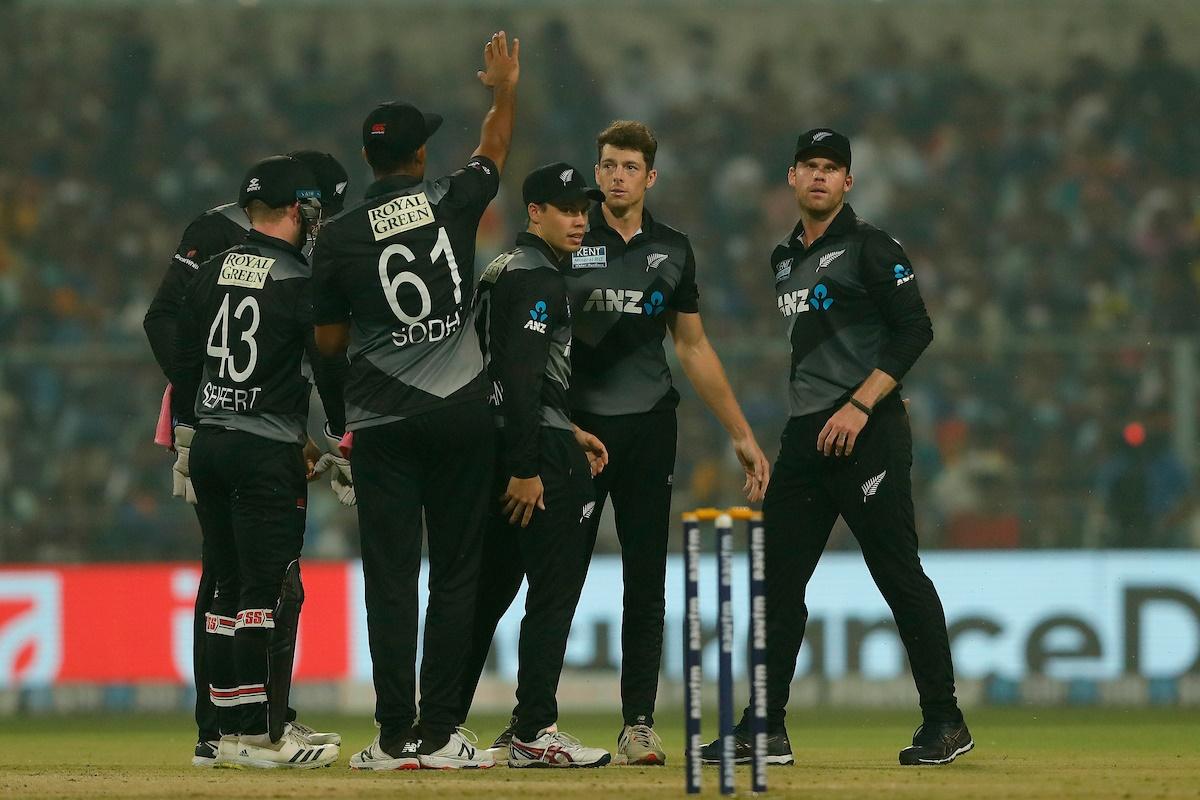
(262, 238)
(389, 184)
(597, 221)
(527, 239)
(845, 222)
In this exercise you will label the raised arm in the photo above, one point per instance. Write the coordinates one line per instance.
(502, 68)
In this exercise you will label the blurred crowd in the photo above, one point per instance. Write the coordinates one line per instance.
(1054, 223)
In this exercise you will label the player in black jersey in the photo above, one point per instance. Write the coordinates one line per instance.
(856, 322)
(395, 283)
(543, 471)
(634, 279)
(215, 231)
(244, 325)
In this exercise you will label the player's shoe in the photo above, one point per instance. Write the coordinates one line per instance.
(499, 748)
(314, 736)
(206, 753)
(937, 743)
(291, 752)
(779, 748)
(374, 757)
(553, 748)
(640, 746)
(459, 752)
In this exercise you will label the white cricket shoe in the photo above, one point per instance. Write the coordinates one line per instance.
(640, 746)
(205, 754)
(316, 737)
(374, 757)
(553, 748)
(459, 752)
(291, 752)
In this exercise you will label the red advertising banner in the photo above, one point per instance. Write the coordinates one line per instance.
(132, 623)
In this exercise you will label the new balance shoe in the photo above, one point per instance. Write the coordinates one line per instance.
(290, 752)
(374, 757)
(779, 748)
(499, 748)
(640, 746)
(553, 748)
(937, 743)
(206, 753)
(459, 752)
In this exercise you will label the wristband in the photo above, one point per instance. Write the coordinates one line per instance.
(860, 406)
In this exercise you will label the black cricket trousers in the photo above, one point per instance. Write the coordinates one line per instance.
(872, 490)
(553, 553)
(439, 463)
(251, 496)
(638, 478)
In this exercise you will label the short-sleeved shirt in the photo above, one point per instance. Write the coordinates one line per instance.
(245, 323)
(851, 305)
(214, 231)
(620, 292)
(400, 269)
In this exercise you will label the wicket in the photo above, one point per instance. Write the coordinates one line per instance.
(693, 678)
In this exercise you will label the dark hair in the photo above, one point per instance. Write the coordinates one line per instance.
(385, 160)
(625, 134)
(258, 211)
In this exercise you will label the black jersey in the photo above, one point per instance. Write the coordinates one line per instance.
(619, 292)
(245, 323)
(851, 304)
(214, 231)
(400, 268)
(527, 343)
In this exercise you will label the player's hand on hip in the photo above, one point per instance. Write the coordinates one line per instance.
(594, 449)
(501, 66)
(181, 477)
(841, 431)
(754, 462)
(521, 498)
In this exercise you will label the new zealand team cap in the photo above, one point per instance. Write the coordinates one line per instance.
(398, 128)
(556, 183)
(823, 142)
(278, 181)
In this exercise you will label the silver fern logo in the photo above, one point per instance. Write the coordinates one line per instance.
(654, 259)
(828, 259)
(872, 486)
(566, 175)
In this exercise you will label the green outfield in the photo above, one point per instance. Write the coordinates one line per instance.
(1020, 753)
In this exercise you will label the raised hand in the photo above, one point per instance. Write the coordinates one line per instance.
(500, 65)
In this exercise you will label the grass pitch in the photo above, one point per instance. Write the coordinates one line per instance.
(1020, 753)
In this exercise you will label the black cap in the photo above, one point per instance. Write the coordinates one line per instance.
(331, 178)
(557, 182)
(278, 181)
(397, 128)
(823, 142)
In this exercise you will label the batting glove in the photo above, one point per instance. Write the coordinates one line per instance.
(181, 479)
(340, 478)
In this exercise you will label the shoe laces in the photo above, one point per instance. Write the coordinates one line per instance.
(468, 734)
(645, 736)
(302, 729)
(559, 737)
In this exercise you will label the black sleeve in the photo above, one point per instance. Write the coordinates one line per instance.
(890, 282)
(187, 365)
(329, 373)
(330, 305)
(686, 297)
(473, 186)
(206, 236)
(525, 295)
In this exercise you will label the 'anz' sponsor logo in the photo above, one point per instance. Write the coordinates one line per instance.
(400, 214)
(626, 301)
(590, 258)
(801, 300)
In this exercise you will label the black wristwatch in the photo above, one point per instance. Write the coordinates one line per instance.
(860, 406)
